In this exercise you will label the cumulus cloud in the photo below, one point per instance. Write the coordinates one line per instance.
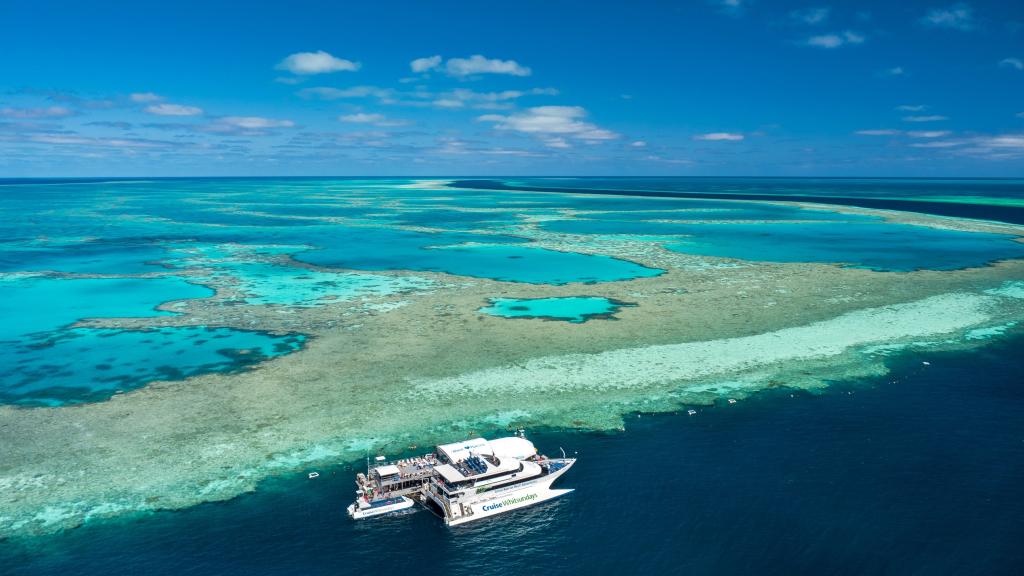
(254, 125)
(46, 112)
(173, 110)
(1014, 63)
(835, 40)
(328, 93)
(929, 118)
(477, 64)
(425, 64)
(956, 17)
(720, 136)
(319, 62)
(361, 118)
(911, 107)
(810, 16)
(1004, 141)
(75, 140)
(638, 144)
(462, 97)
(551, 123)
(942, 144)
(142, 97)
(894, 71)
(367, 118)
(881, 132)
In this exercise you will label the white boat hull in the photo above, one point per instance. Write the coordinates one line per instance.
(513, 498)
(360, 510)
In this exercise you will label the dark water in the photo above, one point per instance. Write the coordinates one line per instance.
(918, 473)
(910, 194)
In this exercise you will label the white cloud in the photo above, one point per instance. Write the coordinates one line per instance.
(911, 107)
(928, 133)
(957, 17)
(477, 64)
(810, 16)
(366, 118)
(655, 158)
(941, 144)
(327, 93)
(720, 136)
(319, 62)
(48, 112)
(73, 140)
(894, 71)
(425, 64)
(835, 40)
(638, 144)
(145, 97)
(883, 132)
(362, 118)
(252, 124)
(930, 118)
(551, 122)
(462, 97)
(173, 110)
(1004, 141)
(1019, 114)
(1015, 63)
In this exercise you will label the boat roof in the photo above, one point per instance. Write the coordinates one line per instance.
(449, 473)
(388, 470)
(460, 450)
(512, 447)
(508, 447)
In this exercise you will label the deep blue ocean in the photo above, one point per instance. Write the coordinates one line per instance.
(921, 472)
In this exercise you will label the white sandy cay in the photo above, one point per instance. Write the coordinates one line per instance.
(700, 361)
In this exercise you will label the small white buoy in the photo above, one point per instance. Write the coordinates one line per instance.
(732, 400)
(691, 412)
(926, 363)
(314, 475)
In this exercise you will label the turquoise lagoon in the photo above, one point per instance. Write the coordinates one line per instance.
(47, 362)
(89, 365)
(575, 309)
(273, 284)
(33, 304)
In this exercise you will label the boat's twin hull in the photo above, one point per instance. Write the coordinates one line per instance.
(513, 501)
(509, 499)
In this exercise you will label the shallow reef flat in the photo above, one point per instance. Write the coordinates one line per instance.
(406, 356)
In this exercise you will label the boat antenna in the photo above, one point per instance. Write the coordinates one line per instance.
(563, 451)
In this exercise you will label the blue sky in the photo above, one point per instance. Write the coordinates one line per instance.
(729, 87)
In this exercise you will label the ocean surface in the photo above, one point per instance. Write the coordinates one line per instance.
(921, 472)
(917, 472)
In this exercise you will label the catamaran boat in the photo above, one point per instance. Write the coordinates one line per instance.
(463, 481)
